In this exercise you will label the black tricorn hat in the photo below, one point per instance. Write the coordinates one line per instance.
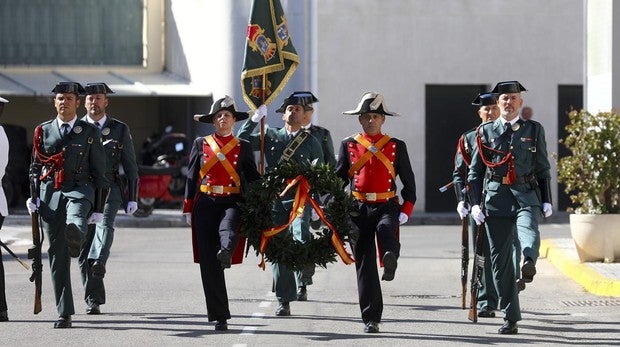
(485, 99)
(97, 88)
(68, 87)
(371, 102)
(3, 100)
(508, 87)
(298, 98)
(225, 103)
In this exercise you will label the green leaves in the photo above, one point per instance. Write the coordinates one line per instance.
(592, 173)
(257, 213)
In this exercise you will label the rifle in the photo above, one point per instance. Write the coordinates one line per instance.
(476, 274)
(464, 260)
(34, 252)
(14, 255)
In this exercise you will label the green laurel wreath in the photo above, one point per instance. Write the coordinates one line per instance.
(282, 248)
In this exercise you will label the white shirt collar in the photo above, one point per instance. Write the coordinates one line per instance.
(101, 121)
(512, 122)
(71, 123)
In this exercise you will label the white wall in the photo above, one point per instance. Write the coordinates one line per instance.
(395, 47)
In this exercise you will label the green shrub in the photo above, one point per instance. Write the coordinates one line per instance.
(592, 173)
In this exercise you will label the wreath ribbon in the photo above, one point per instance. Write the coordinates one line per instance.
(301, 196)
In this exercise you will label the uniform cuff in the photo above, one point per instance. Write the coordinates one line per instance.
(407, 208)
(188, 205)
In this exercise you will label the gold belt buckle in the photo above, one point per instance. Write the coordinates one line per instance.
(504, 180)
(371, 196)
(217, 189)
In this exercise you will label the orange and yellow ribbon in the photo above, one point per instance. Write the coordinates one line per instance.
(301, 196)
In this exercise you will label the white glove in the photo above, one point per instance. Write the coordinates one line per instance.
(188, 218)
(132, 207)
(477, 214)
(402, 218)
(259, 114)
(547, 209)
(462, 210)
(95, 218)
(32, 207)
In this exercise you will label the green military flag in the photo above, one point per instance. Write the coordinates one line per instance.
(270, 58)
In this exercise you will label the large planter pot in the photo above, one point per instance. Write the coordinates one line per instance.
(596, 236)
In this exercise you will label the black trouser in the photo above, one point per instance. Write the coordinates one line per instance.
(216, 227)
(380, 220)
(3, 306)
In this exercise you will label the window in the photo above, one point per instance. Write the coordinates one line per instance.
(72, 32)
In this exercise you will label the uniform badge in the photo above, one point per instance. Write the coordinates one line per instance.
(105, 131)
(221, 156)
(372, 149)
(77, 129)
(516, 126)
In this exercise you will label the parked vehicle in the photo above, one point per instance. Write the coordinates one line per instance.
(163, 172)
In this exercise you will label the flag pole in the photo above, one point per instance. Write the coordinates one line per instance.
(261, 165)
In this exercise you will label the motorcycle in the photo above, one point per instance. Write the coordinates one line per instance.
(163, 172)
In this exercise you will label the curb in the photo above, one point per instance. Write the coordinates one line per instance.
(581, 273)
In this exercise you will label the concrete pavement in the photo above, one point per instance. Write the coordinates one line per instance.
(155, 298)
(598, 278)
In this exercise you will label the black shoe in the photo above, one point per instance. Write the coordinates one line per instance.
(302, 294)
(371, 327)
(225, 258)
(93, 308)
(73, 235)
(389, 266)
(221, 325)
(508, 328)
(63, 322)
(486, 312)
(98, 269)
(284, 309)
(520, 284)
(528, 270)
(4, 316)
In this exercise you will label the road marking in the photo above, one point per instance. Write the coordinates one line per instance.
(248, 330)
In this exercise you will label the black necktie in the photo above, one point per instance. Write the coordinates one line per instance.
(97, 125)
(65, 129)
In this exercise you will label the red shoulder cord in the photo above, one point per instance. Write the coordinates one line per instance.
(460, 148)
(511, 176)
(52, 162)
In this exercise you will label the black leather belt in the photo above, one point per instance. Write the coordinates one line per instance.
(518, 180)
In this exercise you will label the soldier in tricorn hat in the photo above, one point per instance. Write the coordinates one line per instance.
(510, 164)
(119, 150)
(371, 161)
(219, 166)
(69, 160)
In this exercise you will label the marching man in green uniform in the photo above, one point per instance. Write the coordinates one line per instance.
(510, 165)
(319, 132)
(69, 161)
(295, 144)
(487, 111)
(119, 150)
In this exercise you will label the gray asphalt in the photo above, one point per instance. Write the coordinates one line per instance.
(155, 298)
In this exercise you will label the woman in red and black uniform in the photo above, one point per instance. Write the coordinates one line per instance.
(219, 166)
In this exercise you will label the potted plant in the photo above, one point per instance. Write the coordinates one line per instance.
(592, 178)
